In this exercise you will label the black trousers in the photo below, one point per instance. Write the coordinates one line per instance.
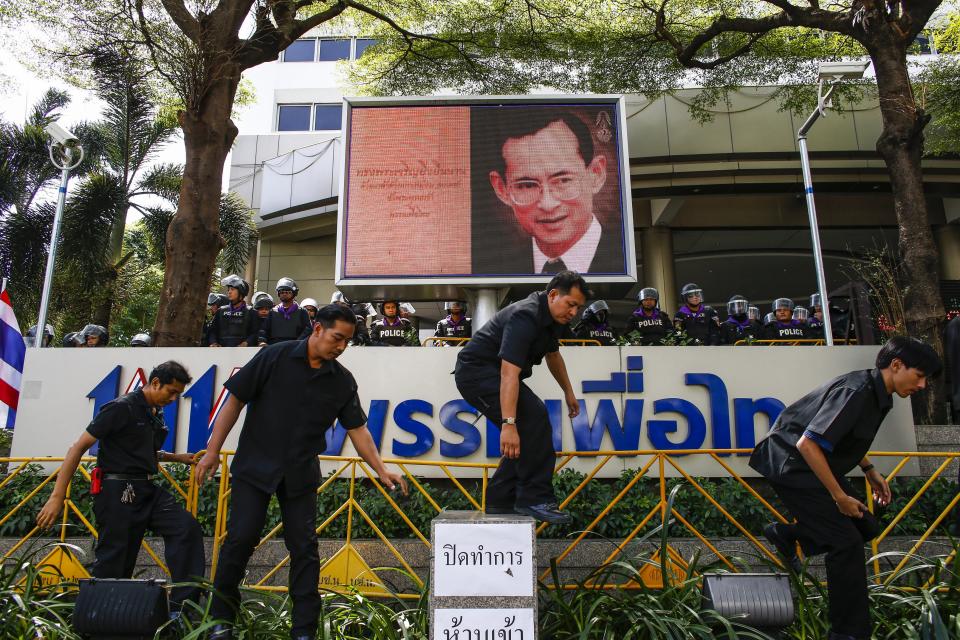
(248, 512)
(123, 524)
(821, 528)
(527, 480)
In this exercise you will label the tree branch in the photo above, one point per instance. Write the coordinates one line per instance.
(184, 20)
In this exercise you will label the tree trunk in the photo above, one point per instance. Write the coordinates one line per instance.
(901, 146)
(193, 237)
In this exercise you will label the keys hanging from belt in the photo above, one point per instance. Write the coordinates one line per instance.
(128, 495)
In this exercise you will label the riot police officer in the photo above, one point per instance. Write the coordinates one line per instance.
(698, 321)
(738, 325)
(361, 335)
(784, 326)
(71, 340)
(31, 337)
(815, 320)
(235, 324)
(648, 319)
(94, 335)
(310, 306)
(141, 340)
(456, 324)
(286, 321)
(391, 329)
(214, 302)
(595, 326)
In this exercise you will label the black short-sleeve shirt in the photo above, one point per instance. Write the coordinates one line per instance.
(130, 433)
(521, 333)
(842, 417)
(290, 406)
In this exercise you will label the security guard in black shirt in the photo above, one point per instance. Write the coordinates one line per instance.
(648, 320)
(812, 446)
(698, 321)
(391, 330)
(130, 431)
(286, 321)
(489, 374)
(738, 325)
(236, 324)
(595, 326)
(294, 391)
(456, 324)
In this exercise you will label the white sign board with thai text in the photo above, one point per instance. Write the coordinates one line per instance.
(483, 559)
(476, 624)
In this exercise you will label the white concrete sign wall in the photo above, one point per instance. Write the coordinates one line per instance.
(632, 398)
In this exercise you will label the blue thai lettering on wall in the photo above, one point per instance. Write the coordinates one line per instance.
(672, 424)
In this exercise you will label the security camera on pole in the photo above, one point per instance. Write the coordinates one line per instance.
(65, 154)
(830, 73)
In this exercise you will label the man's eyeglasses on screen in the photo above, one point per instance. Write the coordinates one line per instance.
(526, 192)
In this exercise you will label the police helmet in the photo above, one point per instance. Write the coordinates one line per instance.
(406, 307)
(72, 339)
(141, 340)
(801, 314)
(48, 331)
(691, 289)
(263, 302)
(217, 300)
(309, 302)
(262, 295)
(31, 338)
(287, 284)
(769, 318)
(815, 301)
(594, 311)
(339, 298)
(737, 306)
(382, 304)
(753, 313)
(783, 303)
(449, 305)
(238, 283)
(95, 330)
(363, 309)
(648, 292)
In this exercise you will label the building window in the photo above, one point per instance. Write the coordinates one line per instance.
(293, 117)
(327, 117)
(301, 51)
(331, 50)
(363, 44)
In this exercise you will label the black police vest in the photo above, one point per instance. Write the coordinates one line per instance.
(792, 332)
(393, 335)
(447, 329)
(586, 331)
(280, 329)
(233, 326)
(651, 329)
(697, 325)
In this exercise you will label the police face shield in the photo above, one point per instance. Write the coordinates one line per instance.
(800, 314)
(815, 301)
(753, 313)
(648, 293)
(693, 294)
(737, 307)
(598, 310)
(769, 318)
(783, 303)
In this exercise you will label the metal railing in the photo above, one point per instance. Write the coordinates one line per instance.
(657, 467)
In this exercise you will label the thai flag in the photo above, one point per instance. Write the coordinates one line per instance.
(12, 352)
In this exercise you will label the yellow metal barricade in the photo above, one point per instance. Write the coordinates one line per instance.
(347, 568)
(816, 342)
(583, 342)
(443, 342)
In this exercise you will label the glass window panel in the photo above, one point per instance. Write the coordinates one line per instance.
(327, 117)
(300, 51)
(294, 117)
(334, 50)
(363, 44)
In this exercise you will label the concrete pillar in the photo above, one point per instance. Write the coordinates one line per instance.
(657, 260)
(948, 241)
(485, 303)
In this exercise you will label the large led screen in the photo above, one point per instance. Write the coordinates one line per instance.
(502, 191)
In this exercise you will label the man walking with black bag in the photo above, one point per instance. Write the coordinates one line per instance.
(817, 441)
(130, 431)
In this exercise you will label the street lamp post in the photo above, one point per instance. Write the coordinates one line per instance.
(831, 73)
(66, 143)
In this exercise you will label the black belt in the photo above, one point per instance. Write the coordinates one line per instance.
(129, 476)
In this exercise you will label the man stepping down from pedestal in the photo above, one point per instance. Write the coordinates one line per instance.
(817, 441)
(489, 374)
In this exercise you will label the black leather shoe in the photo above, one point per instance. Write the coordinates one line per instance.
(785, 545)
(221, 632)
(546, 512)
(492, 510)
